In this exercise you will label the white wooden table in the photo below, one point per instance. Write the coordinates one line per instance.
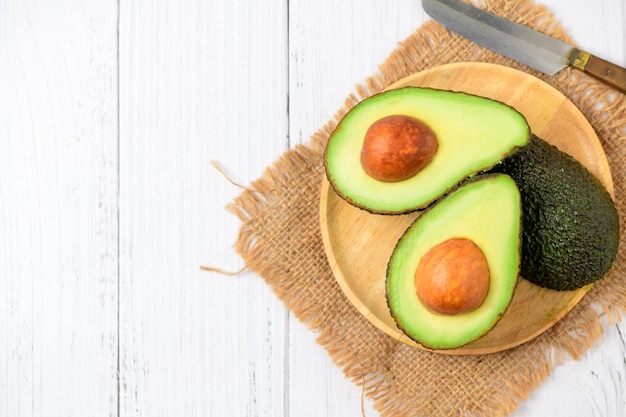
(110, 113)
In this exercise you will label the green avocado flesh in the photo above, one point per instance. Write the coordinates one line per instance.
(485, 210)
(571, 225)
(473, 133)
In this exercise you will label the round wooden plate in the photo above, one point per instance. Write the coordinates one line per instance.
(358, 244)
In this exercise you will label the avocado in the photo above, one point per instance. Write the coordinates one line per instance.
(570, 223)
(400, 150)
(454, 271)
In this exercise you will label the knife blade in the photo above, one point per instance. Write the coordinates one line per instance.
(521, 43)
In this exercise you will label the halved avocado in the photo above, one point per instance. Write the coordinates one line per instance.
(442, 257)
(471, 134)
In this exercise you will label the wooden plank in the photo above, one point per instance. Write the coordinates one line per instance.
(58, 208)
(335, 45)
(199, 81)
(332, 47)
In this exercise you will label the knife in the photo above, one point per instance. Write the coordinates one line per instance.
(521, 43)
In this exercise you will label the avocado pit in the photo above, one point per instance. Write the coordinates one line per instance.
(453, 277)
(397, 147)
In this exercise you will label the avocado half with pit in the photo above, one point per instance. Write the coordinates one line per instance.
(400, 150)
(453, 273)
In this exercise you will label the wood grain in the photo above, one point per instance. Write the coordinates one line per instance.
(199, 81)
(58, 209)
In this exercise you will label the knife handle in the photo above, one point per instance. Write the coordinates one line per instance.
(605, 71)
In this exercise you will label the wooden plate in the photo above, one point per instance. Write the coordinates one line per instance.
(358, 244)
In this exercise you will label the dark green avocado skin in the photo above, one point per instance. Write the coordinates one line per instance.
(570, 224)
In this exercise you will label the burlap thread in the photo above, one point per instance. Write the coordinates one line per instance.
(280, 240)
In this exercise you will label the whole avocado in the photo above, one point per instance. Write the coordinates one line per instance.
(570, 223)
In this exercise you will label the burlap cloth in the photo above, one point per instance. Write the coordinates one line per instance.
(280, 240)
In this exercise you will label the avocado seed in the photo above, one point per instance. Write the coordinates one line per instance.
(397, 147)
(453, 277)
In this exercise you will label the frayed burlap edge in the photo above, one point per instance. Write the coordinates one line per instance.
(279, 239)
